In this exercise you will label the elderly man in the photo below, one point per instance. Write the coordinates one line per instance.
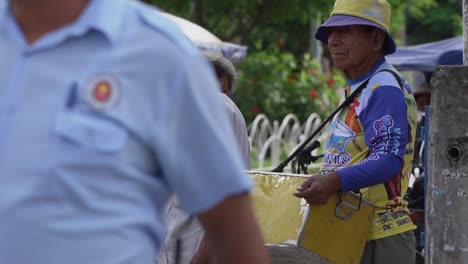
(107, 109)
(371, 141)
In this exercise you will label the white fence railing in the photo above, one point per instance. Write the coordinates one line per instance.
(270, 139)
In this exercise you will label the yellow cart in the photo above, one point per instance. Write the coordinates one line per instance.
(296, 233)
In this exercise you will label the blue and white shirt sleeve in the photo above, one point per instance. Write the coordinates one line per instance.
(201, 161)
(386, 133)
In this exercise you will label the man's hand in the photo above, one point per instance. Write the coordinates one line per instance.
(318, 188)
(201, 256)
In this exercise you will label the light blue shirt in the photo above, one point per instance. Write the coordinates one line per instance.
(99, 122)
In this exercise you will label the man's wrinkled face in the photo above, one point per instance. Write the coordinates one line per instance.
(350, 46)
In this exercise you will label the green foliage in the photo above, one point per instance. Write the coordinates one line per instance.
(274, 82)
(277, 79)
(248, 21)
(444, 21)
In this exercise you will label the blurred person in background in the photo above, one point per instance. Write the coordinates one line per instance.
(422, 92)
(184, 240)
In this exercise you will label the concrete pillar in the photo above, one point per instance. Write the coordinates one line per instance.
(447, 193)
(465, 32)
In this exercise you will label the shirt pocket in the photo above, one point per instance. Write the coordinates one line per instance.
(90, 131)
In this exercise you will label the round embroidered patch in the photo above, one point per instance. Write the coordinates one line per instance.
(103, 92)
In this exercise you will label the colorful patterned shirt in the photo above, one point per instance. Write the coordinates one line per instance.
(371, 145)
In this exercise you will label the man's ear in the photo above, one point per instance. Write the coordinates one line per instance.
(377, 40)
(225, 83)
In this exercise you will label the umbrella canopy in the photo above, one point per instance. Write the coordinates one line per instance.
(425, 57)
(205, 40)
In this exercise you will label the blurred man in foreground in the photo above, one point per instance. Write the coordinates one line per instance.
(106, 109)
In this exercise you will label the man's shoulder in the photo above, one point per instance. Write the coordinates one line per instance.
(233, 110)
(386, 75)
(230, 105)
(158, 29)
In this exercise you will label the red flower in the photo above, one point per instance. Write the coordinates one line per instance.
(292, 79)
(313, 94)
(330, 82)
(280, 44)
(255, 110)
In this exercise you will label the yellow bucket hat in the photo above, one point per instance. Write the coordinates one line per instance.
(374, 13)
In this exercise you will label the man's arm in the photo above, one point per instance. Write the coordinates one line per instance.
(387, 134)
(232, 233)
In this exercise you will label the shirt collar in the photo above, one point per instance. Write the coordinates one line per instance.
(368, 74)
(103, 16)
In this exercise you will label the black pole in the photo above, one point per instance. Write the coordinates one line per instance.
(283, 164)
(346, 102)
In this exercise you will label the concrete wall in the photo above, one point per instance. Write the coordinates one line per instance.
(447, 192)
